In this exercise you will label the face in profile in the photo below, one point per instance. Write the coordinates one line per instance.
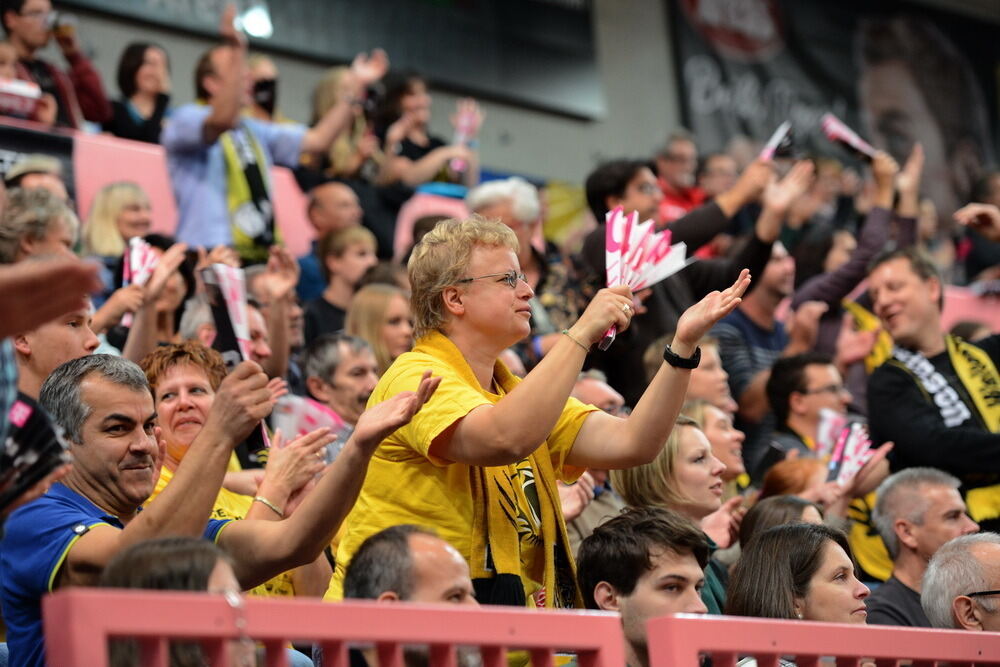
(697, 474)
(835, 595)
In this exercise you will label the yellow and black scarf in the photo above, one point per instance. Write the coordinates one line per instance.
(981, 381)
(248, 193)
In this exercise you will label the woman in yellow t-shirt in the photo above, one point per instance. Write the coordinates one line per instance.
(479, 463)
(184, 378)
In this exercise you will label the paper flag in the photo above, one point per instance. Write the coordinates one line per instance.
(780, 143)
(637, 255)
(137, 268)
(836, 131)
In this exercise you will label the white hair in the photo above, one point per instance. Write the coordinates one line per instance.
(900, 497)
(954, 571)
(523, 196)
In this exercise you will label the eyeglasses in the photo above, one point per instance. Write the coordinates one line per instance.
(828, 389)
(981, 593)
(509, 277)
(36, 14)
(649, 189)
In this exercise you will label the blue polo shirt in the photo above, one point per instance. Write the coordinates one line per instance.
(198, 170)
(38, 537)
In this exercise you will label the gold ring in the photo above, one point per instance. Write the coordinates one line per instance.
(626, 308)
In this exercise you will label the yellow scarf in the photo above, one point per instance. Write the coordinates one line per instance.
(494, 527)
(979, 375)
(248, 196)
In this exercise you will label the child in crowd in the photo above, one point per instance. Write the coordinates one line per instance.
(345, 255)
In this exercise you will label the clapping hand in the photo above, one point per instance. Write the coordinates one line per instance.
(380, 421)
(695, 322)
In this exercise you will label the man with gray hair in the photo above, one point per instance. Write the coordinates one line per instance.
(962, 584)
(35, 223)
(918, 510)
(341, 373)
(105, 406)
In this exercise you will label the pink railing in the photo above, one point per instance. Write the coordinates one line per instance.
(78, 624)
(678, 641)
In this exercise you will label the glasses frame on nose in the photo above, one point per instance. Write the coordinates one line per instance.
(836, 389)
(510, 277)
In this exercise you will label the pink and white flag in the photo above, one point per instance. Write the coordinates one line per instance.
(836, 131)
(637, 255)
(140, 262)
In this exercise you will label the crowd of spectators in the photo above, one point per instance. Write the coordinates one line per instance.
(471, 443)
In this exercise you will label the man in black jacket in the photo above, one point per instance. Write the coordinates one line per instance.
(937, 397)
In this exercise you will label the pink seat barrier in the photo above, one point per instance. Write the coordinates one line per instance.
(290, 211)
(677, 641)
(960, 303)
(78, 623)
(100, 160)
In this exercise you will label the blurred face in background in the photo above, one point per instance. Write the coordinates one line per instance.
(153, 76)
(720, 174)
(726, 441)
(678, 163)
(134, 220)
(397, 326)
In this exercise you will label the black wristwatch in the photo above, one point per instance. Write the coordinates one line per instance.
(676, 361)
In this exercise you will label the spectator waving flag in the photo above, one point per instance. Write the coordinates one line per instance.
(637, 255)
(836, 131)
(140, 262)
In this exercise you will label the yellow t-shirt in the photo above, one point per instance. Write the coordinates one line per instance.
(405, 484)
(231, 505)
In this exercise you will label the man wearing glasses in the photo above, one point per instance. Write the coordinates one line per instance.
(79, 94)
(961, 588)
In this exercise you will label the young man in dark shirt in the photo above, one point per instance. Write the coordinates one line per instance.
(917, 511)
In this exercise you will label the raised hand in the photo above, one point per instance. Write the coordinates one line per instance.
(291, 465)
(126, 299)
(779, 195)
(884, 169)
(695, 322)
(723, 525)
(908, 179)
(574, 498)
(169, 262)
(278, 388)
(230, 34)
(804, 325)
(370, 68)
(243, 399)
(380, 421)
(281, 276)
(984, 218)
(611, 306)
(33, 293)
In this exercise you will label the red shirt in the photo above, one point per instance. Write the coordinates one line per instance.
(677, 202)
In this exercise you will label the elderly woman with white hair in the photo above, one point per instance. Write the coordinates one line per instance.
(479, 465)
(559, 293)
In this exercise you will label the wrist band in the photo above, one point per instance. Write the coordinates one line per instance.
(268, 504)
(566, 333)
(678, 361)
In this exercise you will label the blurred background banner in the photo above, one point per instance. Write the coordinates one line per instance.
(895, 72)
